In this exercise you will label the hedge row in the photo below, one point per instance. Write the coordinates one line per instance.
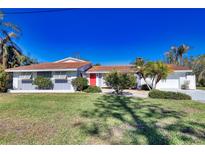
(169, 95)
(92, 89)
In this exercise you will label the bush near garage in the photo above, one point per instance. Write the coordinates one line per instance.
(168, 95)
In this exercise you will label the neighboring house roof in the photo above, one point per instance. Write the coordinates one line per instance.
(129, 68)
(49, 66)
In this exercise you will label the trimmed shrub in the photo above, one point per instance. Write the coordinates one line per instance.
(120, 81)
(4, 78)
(93, 89)
(168, 95)
(43, 83)
(80, 83)
(202, 82)
(145, 87)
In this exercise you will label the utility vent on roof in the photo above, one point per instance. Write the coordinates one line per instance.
(70, 60)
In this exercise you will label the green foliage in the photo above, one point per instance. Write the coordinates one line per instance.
(198, 66)
(168, 95)
(93, 89)
(80, 83)
(43, 83)
(3, 79)
(156, 71)
(202, 82)
(120, 81)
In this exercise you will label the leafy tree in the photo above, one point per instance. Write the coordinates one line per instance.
(198, 66)
(120, 81)
(156, 71)
(43, 83)
(80, 83)
(3, 79)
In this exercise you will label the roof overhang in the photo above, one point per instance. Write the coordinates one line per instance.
(133, 71)
(42, 70)
(110, 71)
(182, 71)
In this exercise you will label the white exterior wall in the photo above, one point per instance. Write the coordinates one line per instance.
(15, 80)
(168, 84)
(192, 79)
(173, 81)
(100, 82)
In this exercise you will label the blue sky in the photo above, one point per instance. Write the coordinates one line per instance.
(109, 36)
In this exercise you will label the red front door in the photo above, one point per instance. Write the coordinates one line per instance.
(93, 79)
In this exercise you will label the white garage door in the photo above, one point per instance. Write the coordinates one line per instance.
(168, 84)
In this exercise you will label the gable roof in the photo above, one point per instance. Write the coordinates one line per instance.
(49, 67)
(70, 59)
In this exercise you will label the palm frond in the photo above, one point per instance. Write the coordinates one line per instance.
(1, 15)
(12, 26)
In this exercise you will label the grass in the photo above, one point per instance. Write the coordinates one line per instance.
(201, 88)
(99, 119)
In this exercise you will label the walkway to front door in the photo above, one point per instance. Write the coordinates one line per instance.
(93, 79)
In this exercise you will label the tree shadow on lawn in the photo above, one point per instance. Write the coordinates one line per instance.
(144, 123)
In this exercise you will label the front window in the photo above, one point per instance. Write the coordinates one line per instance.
(44, 74)
(60, 75)
(25, 75)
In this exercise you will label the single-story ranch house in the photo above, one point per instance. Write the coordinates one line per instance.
(62, 72)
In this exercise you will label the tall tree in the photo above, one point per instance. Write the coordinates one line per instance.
(140, 67)
(181, 51)
(175, 54)
(8, 31)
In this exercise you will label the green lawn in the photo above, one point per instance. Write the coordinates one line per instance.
(99, 119)
(201, 88)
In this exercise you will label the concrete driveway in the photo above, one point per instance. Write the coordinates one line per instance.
(198, 95)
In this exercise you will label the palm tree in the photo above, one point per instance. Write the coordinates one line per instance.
(139, 65)
(175, 54)
(8, 31)
(181, 51)
(156, 71)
